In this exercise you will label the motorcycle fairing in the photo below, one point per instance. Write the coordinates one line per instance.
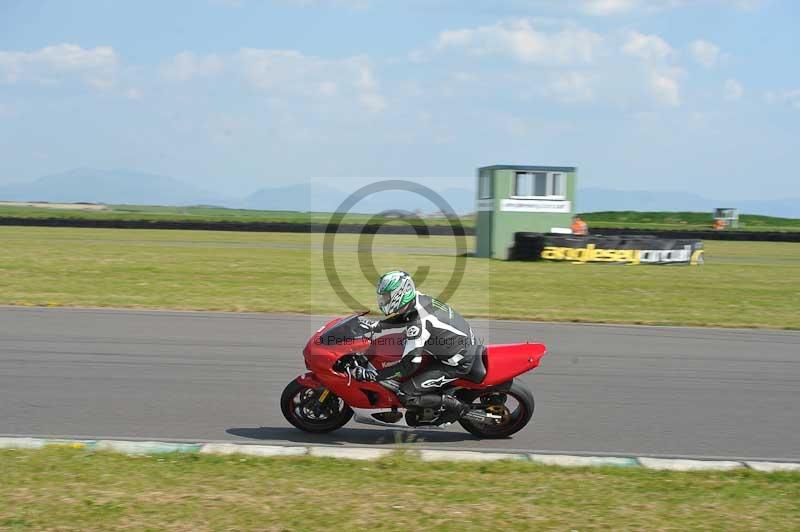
(329, 344)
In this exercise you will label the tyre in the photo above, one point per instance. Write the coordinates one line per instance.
(301, 407)
(514, 408)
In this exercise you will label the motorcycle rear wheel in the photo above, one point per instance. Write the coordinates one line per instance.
(301, 408)
(511, 421)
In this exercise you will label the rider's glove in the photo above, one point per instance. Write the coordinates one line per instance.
(369, 327)
(363, 374)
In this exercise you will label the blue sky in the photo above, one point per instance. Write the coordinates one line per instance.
(701, 96)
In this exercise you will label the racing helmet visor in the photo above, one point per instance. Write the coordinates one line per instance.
(384, 299)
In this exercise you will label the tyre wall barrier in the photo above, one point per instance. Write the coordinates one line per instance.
(400, 229)
(264, 227)
(752, 236)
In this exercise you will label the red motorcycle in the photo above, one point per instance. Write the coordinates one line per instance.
(326, 397)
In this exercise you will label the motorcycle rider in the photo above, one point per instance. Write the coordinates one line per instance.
(430, 327)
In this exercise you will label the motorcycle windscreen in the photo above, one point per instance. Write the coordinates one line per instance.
(346, 329)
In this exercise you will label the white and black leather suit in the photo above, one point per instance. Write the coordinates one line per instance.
(431, 327)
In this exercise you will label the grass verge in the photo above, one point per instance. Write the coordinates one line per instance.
(61, 489)
(743, 284)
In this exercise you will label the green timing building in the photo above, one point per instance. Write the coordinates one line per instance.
(512, 199)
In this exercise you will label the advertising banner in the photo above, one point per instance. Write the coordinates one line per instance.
(617, 249)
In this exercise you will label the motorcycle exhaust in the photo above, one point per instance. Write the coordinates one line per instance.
(382, 418)
(481, 416)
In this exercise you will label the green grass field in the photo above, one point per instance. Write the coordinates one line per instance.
(741, 284)
(63, 489)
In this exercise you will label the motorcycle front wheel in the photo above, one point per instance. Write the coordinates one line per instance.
(303, 408)
(511, 411)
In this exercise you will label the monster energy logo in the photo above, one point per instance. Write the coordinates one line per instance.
(444, 307)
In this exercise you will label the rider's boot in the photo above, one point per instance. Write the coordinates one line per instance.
(454, 409)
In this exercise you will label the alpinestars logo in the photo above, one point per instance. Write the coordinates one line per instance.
(413, 331)
(436, 383)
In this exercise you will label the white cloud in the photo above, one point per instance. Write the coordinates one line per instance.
(608, 7)
(733, 90)
(570, 87)
(372, 102)
(357, 5)
(285, 74)
(743, 5)
(705, 53)
(665, 87)
(790, 97)
(615, 68)
(623, 7)
(519, 39)
(187, 65)
(289, 71)
(133, 94)
(365, 80)
(649, 48)
(328, 88)
(585, 7)
(464, 77)
(233, 4)
(53, 64)
(656, 54)
(417, 56)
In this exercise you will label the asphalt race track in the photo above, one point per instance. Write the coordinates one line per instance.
(206, 376)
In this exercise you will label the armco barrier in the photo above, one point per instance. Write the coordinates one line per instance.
(367, 453)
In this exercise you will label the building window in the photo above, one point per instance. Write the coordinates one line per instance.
(549, 185)
(559, 184)
(485, 186)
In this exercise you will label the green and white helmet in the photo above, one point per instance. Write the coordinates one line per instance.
(396, 293)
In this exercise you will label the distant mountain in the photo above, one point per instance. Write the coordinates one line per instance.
(123, 186)
(593, 199)
(300, 197)
(321, 197)
(107, 186)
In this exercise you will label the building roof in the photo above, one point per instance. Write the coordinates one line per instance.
(523, 168)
